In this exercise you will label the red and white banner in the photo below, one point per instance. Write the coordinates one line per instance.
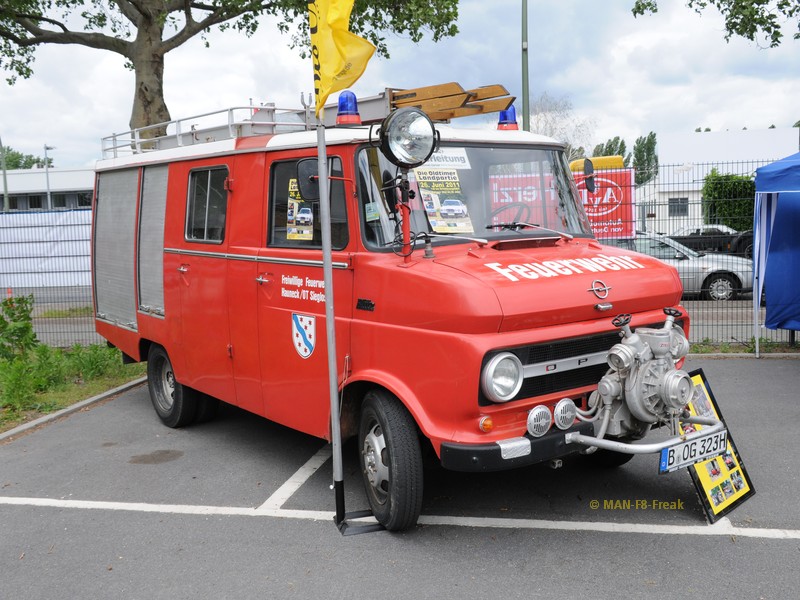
(611, 207)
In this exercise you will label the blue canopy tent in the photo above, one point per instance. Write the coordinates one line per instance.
(776, 245)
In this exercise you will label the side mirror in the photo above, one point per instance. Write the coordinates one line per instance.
(588, 172)
(308, 179)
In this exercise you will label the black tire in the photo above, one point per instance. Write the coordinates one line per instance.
(175, 404)
(391, 461)
(720, 287)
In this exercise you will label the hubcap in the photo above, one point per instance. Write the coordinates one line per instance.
(375, 458)
(167, 395)
(721, 289)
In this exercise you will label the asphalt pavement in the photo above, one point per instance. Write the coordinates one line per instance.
(106, 502)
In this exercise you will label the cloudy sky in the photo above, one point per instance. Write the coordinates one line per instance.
(668, 72)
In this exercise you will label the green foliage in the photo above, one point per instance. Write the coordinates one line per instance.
(747, 19)
(613, 147)
(729, 199)
(25, 377)
(28, 368)
(144, 31)
(645, 159)
(16, 327)
(18, 160)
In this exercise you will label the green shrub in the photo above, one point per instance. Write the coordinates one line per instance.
(16, 327)
(28, 369)
(90, 362)
(16, 383)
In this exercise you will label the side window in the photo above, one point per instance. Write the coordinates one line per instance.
(207, 205)
(295, 223)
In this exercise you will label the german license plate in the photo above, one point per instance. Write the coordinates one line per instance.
(687, 453)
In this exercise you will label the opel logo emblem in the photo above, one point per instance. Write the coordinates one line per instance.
(599, 289)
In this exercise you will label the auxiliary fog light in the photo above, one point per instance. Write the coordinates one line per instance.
(539, 421)
(407, 137)
(565, 413)
(502, 377)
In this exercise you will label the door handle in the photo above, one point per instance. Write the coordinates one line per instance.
(261, 279)
(183, 269)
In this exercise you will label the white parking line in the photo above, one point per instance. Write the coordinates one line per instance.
(722, 528)
(283, 493)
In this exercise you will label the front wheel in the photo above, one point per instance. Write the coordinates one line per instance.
(720, 287)
(175, 404)
(391, 461)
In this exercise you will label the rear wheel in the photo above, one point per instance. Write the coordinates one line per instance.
(391, 461)
(175, 404)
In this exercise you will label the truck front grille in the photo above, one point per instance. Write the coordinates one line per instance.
(562, 365)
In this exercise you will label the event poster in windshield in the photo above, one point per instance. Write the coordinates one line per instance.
(440, 190)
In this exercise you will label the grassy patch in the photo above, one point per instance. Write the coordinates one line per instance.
(36, 379)
(766, 346)
(43, 403)
(67, 313)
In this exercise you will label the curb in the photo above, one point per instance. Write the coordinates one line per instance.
(70, 409)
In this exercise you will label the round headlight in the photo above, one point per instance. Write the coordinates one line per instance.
(502, 377)
(407, 137)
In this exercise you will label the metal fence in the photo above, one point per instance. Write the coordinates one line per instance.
(46, 254)
(698, 217)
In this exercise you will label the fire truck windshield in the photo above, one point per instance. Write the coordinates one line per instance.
(492, 192)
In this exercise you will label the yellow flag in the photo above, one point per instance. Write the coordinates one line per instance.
(340, 57)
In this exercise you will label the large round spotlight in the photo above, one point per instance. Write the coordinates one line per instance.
(407, 137)
(539, 421)
(502, 377)
(565, 413)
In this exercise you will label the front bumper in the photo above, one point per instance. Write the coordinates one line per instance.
(513, 453)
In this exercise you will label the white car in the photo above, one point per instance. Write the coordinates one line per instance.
(711, 276)
(304, 216)
(453, 207)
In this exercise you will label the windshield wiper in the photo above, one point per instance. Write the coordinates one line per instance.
(517, 225)
(456, 236)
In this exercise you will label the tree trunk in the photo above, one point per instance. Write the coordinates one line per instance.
(149, 107)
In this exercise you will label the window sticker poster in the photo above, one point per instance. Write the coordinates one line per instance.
(722, 482)
(299, 215)
(440, 190)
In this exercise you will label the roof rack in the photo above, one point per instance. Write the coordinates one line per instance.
(441, 102)
(234, 122)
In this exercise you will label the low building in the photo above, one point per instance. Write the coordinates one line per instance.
(49, 189)
(674, 200)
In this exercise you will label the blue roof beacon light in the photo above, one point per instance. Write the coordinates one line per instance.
(508, 119)
(348, 109)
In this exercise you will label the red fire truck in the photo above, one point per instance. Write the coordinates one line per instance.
(499, 334)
